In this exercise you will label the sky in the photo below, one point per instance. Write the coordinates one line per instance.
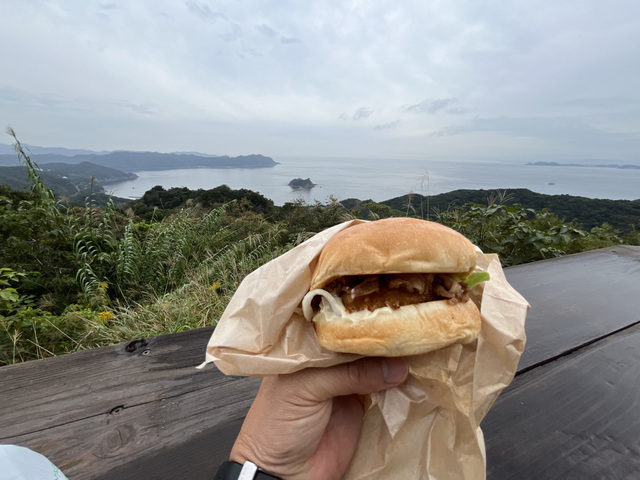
(550, 80)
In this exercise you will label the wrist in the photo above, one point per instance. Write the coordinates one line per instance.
(247, 471)
(245, 451)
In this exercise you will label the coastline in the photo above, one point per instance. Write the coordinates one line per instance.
(381, 180)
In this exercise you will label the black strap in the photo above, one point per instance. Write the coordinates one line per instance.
(231, 471)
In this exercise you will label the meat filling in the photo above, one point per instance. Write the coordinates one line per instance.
(369, 292)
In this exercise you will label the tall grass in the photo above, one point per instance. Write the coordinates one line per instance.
(201, 298)
(178, 275)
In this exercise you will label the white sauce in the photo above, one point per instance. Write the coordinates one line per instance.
(332, 308)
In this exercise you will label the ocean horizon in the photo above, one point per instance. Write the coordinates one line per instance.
(381, 180)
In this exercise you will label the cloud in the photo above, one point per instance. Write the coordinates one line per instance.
(362, 113)
(290, 40)
(567, 75)
(564, 132)
(429, 106)
(266, 30)
(537, 127)
(389, 125)
(600, 103)
(47, 102)
(234, 34)
(251, 52)
(550, 137)
(142, 109)
(457, 111)
(203, 11)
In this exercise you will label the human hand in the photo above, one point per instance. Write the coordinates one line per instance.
(306, 425)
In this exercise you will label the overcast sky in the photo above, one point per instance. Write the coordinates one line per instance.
(547, 80)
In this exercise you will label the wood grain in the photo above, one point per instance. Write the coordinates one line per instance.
(576, 418)
(577, 299)
(99, 410)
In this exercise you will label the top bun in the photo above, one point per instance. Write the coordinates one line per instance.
(394, 245)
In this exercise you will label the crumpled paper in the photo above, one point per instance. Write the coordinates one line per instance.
(429, 427)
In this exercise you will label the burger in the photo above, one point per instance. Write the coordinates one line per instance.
(394, 287)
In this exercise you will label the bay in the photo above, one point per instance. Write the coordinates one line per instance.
(380, 180)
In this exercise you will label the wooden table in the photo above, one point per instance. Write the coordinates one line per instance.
(141, 410)
(573, 410)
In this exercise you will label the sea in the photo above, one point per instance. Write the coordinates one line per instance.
(384, 179)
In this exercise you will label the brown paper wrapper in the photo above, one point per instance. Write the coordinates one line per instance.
(428, 428)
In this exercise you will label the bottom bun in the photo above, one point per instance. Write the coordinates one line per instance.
(408, 330)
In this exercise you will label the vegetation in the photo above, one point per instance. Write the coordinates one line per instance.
(159, 201)
(79, 277)
(73, 182)
(622, 215)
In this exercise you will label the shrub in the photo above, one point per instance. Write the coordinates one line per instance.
(598, 237)
(516, 234)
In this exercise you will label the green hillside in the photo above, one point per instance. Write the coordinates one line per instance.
(72, 182)
(588, 212)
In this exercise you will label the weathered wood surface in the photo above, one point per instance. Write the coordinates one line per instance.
(138, 409)
(577, 418)
(577, 299)
(143, 410)
(573, 410)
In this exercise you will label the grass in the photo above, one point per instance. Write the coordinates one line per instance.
(198, 302)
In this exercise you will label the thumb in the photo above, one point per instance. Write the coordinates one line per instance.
(364, 376)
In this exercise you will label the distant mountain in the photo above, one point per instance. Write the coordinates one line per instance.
(65, 179)
(84, 171)
(70, 152)
(197, 154)
(16, 178)
(598, 165)
(34, 149)
(138, 161)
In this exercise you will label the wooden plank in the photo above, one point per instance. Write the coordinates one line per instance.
(576, 418)
(98, 411)
(198, 458)
(577, 299)
(129, 374)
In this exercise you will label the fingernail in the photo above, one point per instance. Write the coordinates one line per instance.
(394, 370)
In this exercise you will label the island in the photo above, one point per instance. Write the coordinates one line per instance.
(606, 165)
(301, 184)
